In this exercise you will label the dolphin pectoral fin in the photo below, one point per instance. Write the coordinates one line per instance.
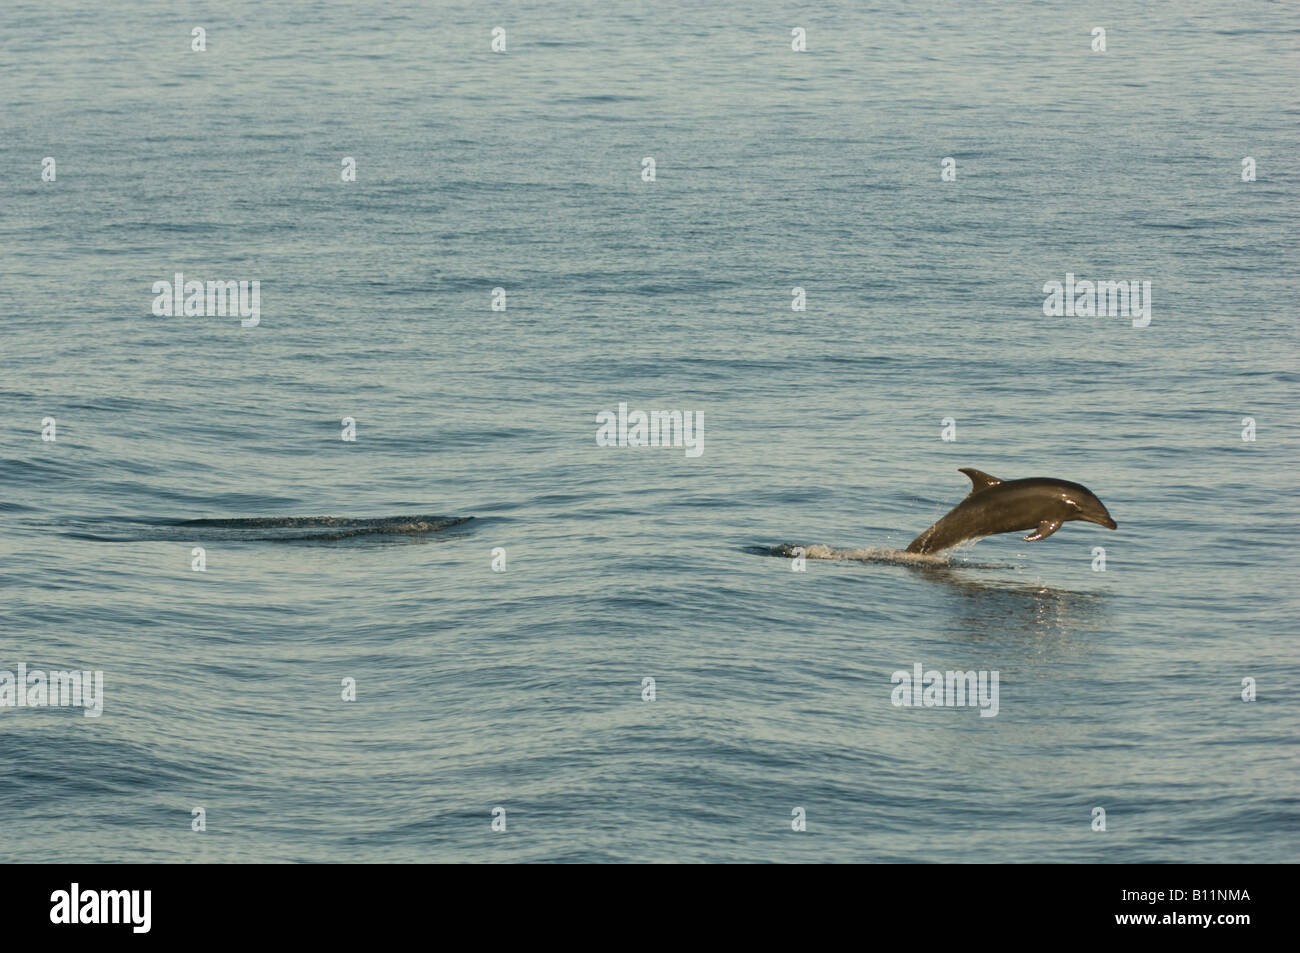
(979, 479)
(1045, 529)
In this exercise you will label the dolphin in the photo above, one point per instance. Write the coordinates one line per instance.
(284, 529)
(996, 506)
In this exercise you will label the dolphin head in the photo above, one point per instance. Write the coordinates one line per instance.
(1086, 506)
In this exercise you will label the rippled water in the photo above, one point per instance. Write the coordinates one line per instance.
(475, 430)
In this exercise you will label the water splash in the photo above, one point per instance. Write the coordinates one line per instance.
(879, 554)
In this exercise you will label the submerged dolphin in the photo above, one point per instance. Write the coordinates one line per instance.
(283, 529)
(994, 506)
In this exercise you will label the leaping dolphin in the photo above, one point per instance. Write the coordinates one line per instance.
(994, 506)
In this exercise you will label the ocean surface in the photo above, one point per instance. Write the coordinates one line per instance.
(475, 430)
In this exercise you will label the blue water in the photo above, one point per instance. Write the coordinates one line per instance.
(522, 689)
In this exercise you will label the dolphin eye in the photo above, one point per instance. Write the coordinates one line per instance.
(1071, 501)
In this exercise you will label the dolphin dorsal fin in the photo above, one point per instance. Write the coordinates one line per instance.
(979, 479)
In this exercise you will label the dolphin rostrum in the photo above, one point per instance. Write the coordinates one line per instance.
(997, 506)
